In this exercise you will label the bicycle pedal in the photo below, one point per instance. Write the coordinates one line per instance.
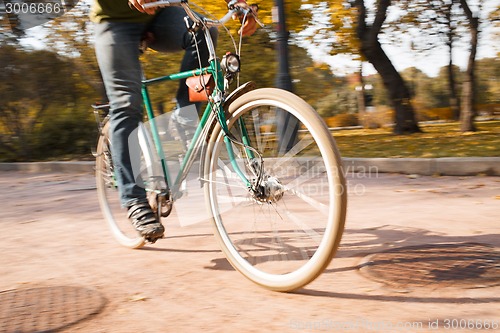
(168, 205)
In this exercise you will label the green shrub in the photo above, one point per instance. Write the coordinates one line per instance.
(66, 135)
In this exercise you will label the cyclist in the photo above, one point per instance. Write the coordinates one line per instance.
(120, 27)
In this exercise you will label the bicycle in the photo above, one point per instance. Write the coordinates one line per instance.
(278, 211)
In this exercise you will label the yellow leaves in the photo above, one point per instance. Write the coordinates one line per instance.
(319, 65)
(335, 18)
(138, 298)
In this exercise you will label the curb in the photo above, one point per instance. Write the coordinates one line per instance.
(65, 167)
(446, 166)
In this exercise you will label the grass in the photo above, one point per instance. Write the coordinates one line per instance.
(437, 140)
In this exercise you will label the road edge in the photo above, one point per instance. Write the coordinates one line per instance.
(446, 166)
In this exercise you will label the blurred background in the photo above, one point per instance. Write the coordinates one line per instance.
(398, 78)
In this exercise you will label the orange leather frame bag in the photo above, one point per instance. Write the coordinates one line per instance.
(200, 87)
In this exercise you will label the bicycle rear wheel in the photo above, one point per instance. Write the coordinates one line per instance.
(107, 189)
(285, 236)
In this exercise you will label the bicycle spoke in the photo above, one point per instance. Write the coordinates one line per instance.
(321, 207)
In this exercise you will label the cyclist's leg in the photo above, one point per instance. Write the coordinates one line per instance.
(118, 57)
(117, 51)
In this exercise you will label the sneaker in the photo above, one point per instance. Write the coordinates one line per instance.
(145, 221)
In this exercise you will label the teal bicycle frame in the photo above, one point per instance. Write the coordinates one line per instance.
(214, 68)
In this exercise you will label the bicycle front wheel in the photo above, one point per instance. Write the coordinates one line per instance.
(284, 232)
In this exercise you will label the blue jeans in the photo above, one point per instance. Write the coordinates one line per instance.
(117, 52)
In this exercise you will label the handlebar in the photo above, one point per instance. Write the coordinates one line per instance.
(164, 3)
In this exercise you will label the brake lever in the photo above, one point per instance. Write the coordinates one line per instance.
(262, 25)
(245, 11)
(253, 11)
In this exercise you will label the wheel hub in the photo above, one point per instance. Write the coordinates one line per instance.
(269, 191)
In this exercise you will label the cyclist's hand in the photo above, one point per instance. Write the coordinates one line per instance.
(138, 4)
(250, 24)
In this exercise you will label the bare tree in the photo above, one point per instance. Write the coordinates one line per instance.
(435, 18)
(468, 111)
(371, 48)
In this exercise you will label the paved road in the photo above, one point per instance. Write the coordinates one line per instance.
(53, 235)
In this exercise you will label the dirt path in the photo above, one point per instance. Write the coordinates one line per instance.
(53, 235)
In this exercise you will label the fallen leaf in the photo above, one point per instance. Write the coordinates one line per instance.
(138, 298)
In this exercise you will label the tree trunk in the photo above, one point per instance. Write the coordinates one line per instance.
(371, 48)
(468, 109)
(454, 99)
(360, 96)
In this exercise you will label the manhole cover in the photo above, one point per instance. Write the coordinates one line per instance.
(465, 265)
(46, 309)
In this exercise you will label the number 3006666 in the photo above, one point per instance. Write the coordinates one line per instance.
(469, 324)
(34, 8)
